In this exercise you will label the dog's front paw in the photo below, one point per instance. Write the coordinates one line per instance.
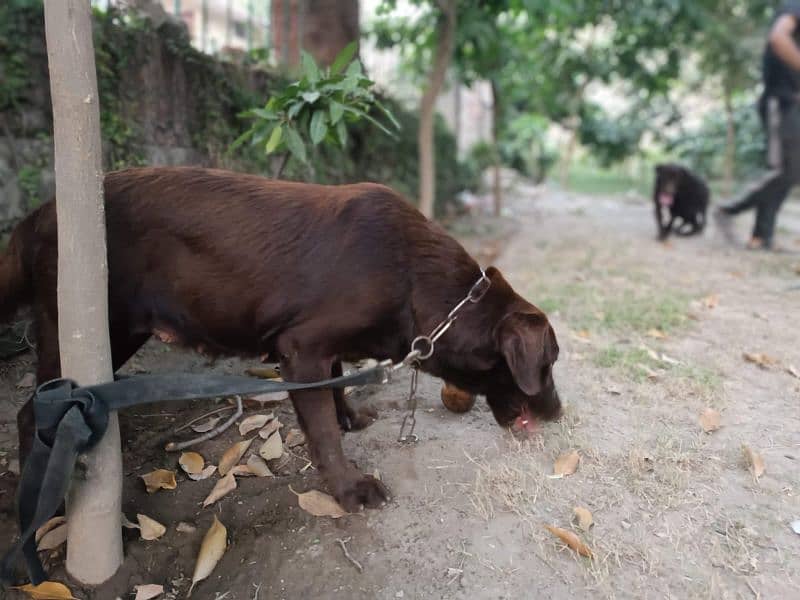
(362, 491)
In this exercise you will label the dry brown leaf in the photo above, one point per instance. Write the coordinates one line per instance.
(755, 462)
(657, 334)
(206, 425)
(184, 527)
(224, 486)
(651, 374)
(793, 371)
(263, 372)
(51, 524)
(254, 422)
(191, 462)
(319, 504)
(272, 448)
(583, 517)
(204, 474)
(269, 397)
(571, 540)
(711, 301)
(158, 480)
(258, 467)
(762, 360)
(242, 471)
(53, 538)
(567, 463)
(710, 420)
(47, 590)
(148, 591)
(233, 455)
(150, 529)
(211, 550)
(295, 437)
(269, 429)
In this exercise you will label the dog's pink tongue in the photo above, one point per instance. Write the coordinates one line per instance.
(525, 423)
(665, 199)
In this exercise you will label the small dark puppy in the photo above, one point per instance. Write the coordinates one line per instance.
(679, 193)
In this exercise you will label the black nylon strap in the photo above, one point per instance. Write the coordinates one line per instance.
(70, 420)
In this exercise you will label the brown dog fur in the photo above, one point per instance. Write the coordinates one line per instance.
(236, 264)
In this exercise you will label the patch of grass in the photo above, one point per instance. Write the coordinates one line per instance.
(596, 181)
(633, 362)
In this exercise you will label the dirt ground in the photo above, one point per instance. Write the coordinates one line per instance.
(651, 335)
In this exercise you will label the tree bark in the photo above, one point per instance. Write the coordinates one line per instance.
(730, 141)
(445, 35)
(497, 186)
(94, 541)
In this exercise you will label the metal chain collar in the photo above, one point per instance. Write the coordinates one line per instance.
(422, 348)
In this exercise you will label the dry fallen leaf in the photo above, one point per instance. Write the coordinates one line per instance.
(224, 486)
(150, 529)
(272, 448)
(204, 474)
(159, 479)
(269, 397)
(211, 550)
(184, 527)
(51, 524)
(295, 437)
(709, 420)
(571, 540)
(567, 463)
(583, 517)
(233, 455)
(258, 467)
(263, 372)
(651, 374)
(762, 360)
(319, 504)
(793, 372)
(269, 429)
(754, 461)
(242, 471)
(254, 422)
(53, 538)
(711, 301)
(206, 425)
(148, 591)
(656, 334)
(47, 590)
(191, 462)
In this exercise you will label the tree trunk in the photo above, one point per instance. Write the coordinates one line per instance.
(94, 542)
(445, 34)
(566, 161)
(497, 186)
(730, 142)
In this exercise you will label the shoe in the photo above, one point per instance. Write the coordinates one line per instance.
(724, 222)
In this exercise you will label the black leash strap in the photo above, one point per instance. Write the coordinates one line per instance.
(70, 420)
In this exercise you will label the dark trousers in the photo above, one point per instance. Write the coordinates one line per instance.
(768, 194)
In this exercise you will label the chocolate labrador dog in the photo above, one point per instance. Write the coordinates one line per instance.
(679, 194)
(235, 264)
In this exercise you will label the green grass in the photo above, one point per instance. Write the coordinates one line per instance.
(596, 181)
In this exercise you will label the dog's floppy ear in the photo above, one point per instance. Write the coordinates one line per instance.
(528, 343)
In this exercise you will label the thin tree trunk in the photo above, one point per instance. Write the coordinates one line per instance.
(566, 161)
(94, 542)
(730, 141)
(445, 34)
(497, 185)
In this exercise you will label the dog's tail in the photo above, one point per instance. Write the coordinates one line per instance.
(15, 281)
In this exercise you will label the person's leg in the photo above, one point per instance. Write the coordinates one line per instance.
(790, 149)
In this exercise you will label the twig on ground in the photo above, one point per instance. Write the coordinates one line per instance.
(175, 446)
(342, 543)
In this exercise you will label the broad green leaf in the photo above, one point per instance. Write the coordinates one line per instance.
(344, 57)
(354, 69)
(310, 97)
(295, 144)
(337, 110)
(295, 109)
(318, 128)
(274, 139)
(310, 69)
(264, 114)
(240, 140)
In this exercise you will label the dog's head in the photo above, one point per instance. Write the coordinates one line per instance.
(668, 178)
(522, 387)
